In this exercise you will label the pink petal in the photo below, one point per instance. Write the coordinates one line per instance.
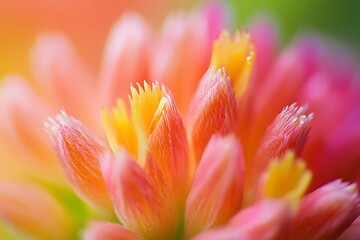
(109, 231)
(183, 51)
(78, 150)
(64, 79)
(353, 232)
(267, 220)
(139, 205)
(327, 212)
(213, 110)
(22, 114)
(125, 59)
(216, 193)
(288, 131)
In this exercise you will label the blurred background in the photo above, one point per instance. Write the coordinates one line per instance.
(87, 22)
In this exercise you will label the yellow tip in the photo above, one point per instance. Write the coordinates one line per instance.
(237, 55)
(287, 177)
(146, 105)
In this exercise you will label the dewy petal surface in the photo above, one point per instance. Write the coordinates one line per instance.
(138, 204)
(79, 150)
(326, 212)
(217, 190)
(288, 131)
(213, 110)
(267, 220)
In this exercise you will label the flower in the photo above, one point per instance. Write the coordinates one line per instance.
(221, 172)
(27, 157)
(173, 180)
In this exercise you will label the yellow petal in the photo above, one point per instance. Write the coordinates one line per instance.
(237, 55)
(287, 177)
(146, 106)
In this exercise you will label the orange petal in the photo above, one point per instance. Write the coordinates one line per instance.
(168, 147)
(126, 58)
(33, 211)
(213, 110)
(137, 202)
(267, 220)
(64, 79)
(216, 193)
(79, 151)
(327, 212)
(109, 231)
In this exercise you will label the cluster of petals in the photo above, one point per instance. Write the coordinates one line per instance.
(134, 52)
(228, 166)
(170, 178)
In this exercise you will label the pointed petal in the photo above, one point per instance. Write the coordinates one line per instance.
(267, 220)
(28, 209)
(21, 128)
(137, 202)
(213, 110)
(109, 231)
(125, 60)
(327, 212)
(288, 131)
(168, 146)
(79, 150)
(63, 77)
(216, 193)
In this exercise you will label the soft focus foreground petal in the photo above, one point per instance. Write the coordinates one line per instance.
(286, 178)
(237, 55)
(125, 59)
(33, 211)
(267, 220)
(79, 150)
(353, 232)
(217, 190)
(21, 131)
(108, 231)
(138, 204)
(213, 110)
(182, 53)
(63, 78)
(326, 212)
